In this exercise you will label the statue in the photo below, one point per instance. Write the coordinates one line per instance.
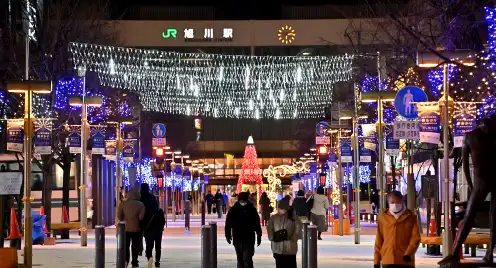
(480, 145)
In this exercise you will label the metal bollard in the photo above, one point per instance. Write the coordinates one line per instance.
(205, 246)
(312, 247)
(187, 205)
(203, 211)
(304, 245)
(99, 246)
(121, 245)
(213, 244)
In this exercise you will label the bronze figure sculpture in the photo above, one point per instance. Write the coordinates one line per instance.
(480, 146)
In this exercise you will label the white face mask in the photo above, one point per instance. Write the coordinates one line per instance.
(395, 208)
(243, 203)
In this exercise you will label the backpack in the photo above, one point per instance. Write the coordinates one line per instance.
(310, 204)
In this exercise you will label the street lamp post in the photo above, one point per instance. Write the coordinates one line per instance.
(84, 102)
(28, 88)
(427, 60)
(380, 97)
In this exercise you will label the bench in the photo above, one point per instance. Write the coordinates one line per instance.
(472, 241)
(64, 227)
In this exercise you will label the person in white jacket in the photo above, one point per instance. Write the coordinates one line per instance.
(319, 209)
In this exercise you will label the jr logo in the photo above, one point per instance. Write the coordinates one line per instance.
(169, 33)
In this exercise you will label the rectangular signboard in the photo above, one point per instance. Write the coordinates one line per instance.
(322, 140)
(406, 130)
(10, 183)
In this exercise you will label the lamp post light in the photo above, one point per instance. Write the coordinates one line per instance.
(427, 60)
(118, 172)
(380, 97)
(28, 88)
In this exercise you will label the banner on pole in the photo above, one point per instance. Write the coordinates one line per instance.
(346, 152)
(97, 139)
(75, 139)
(463, 121)
(128, 150)
(370, 143)
(392, 144)
(15, 135)
(43, 136)
(430, 122)
(333, 157)
(365, 154)
(111, 150)
(368, 130)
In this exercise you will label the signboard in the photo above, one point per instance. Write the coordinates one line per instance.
(405, 101)
(321, 128)
(406, 130)
(333, 157)
(158, 131)
(322, 140)
(346, 152)
(75, 139)
(365, 154)
(128, 150)
(463, 121)
(392, 144)
(370, 143)
(205, 179)
(15, 135)
(111, 150)
(429, 123)
(97, 139)
(10, 183)
(200, 35)
(42, 136)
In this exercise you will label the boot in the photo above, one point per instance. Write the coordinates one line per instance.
(319, 236)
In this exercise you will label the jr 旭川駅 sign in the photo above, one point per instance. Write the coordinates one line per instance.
(199, 35)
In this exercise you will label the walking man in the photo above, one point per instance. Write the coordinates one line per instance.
(242, 224)
(219, 201)
(209, 198)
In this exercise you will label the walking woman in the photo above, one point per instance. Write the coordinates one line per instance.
(284, 230)
(397, 236)
(265, 206)
(300, 205)
(318, 211)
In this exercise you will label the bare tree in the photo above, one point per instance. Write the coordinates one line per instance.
(50, 27)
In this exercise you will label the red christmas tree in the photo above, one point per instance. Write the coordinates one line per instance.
(250, 172)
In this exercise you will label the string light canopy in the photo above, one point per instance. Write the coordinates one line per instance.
(234, 86)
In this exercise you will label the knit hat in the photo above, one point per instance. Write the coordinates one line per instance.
(283, 204)
(243, 196)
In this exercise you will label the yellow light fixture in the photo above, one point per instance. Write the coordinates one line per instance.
(286, 34)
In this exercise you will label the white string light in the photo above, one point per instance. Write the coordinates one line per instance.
(236, 86)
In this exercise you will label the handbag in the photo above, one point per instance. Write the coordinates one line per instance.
(281, 235)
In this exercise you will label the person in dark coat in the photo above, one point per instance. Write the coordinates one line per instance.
(219, 201)
(300, 205)
(209, 198)
(153, 235)
(151, 208)
(242, 224)
(265, 208)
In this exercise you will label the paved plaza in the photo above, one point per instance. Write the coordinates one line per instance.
(183, 251)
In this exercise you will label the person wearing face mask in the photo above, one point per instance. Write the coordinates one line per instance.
(397, 236)
(242, 225)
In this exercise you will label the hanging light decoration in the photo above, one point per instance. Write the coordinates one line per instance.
(234, 86)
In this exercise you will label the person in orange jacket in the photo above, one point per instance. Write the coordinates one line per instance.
(397, 236)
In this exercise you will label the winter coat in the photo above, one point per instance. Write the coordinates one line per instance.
(151, 207)
(242, 224)
(209, 198)
(293, 226)
(320, 204)
(265, 206)
(131, 211)
(219, 200)
(396, 238)
(300, 206)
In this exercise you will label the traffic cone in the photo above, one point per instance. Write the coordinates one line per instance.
(432, 226)
(65, 215)
(42, 213)
(14, 226)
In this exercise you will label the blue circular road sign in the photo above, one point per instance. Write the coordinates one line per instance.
(405, 100)
(158, 130)
(321, 128)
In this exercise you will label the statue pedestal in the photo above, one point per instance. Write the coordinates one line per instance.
(472, 264)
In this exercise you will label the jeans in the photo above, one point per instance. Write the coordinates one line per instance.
(154, 240)
(135, 238)
(285, 261)
(244, 254)
(209, 208)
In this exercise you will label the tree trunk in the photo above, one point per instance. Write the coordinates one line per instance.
(48, 181)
